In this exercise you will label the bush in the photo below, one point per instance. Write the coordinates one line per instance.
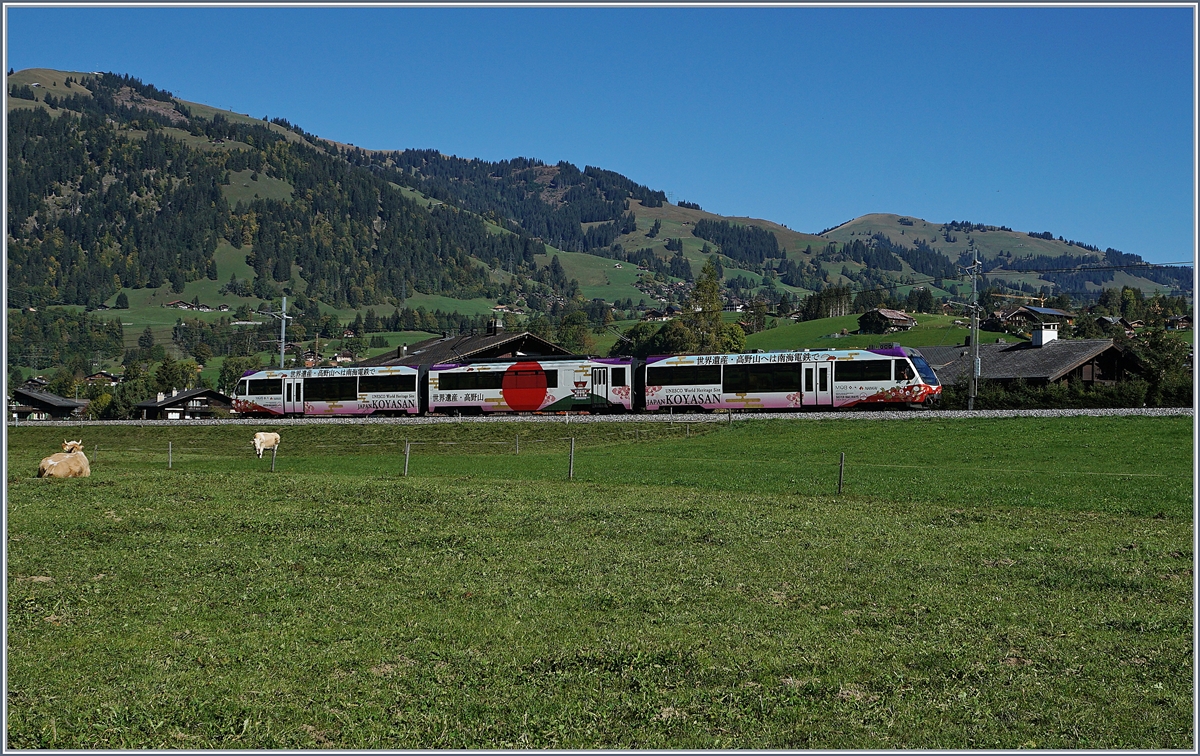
(1067, 395)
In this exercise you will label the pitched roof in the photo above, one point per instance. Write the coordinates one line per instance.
(893, 314)
(182, 396)
(441, 349)
(45, 397)
(1009, 361)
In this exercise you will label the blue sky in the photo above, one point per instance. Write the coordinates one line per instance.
(1077, 121)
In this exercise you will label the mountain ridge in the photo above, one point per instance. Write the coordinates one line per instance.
(456, 214)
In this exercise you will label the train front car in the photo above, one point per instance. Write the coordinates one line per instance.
(535, 384)
(325, 392)
(795, 380)
(895, 376)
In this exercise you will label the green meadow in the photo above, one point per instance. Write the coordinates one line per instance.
(977, 583)
(930, 330)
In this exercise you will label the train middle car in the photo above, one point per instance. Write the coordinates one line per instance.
(534, 384)
(789, 380)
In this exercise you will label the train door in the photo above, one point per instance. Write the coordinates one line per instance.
(600, 387)
(824, 384)
(818, 384)
(293, 396)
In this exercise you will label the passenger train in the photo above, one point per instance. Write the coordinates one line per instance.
(773, 381)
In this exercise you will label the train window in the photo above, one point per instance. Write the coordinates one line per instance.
(685, 375)
(618, 376)
(926, 372)
(288, 396)
(551, 379)
(241, 387)
(853, 371)
(808, 383)
(903, 371)
(759, 378)
(387, 383)
(331, 389)
(823, 378)
(266, 387)
(527, 378)
(472, 381)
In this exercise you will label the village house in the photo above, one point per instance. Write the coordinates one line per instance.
(1109, 322)
(102, 377)
(1043, 360)
(884, 320)
(31, 404)
(1025, 318)
(193, 404)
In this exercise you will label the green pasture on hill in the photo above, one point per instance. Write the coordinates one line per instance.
(931, 330)
(978, 584)
(248, 185)
(599, 277)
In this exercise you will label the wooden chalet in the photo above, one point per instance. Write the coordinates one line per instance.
(1179, 323)
(193, 404)
(1026, 318)
(31, 404)
(1047, 359)
(884, 320)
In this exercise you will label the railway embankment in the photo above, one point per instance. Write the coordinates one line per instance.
(691, 417)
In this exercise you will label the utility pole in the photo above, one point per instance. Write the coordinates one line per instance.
(974, 388)
(282, 332)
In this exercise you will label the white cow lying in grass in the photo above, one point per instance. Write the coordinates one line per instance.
(264, 441)
(70, 464)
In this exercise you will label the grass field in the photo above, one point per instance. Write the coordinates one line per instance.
(598, 277)
(243, 188)
(931, 330)
(694, 587)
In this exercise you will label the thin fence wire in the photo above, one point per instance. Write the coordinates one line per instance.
(597, 450)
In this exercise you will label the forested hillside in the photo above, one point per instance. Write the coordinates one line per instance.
(106, 191)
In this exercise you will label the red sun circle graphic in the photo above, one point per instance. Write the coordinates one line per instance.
(524, 386)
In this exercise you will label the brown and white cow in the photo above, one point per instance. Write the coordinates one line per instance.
(264, 441)
(71, 463)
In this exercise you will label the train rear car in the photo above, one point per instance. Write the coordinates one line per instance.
(794, 380)
(535, 384)
(329, 392)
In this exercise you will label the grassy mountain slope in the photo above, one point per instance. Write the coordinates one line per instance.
(992, 242)
(825, 333)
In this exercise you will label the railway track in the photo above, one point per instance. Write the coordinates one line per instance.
(694, 417)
